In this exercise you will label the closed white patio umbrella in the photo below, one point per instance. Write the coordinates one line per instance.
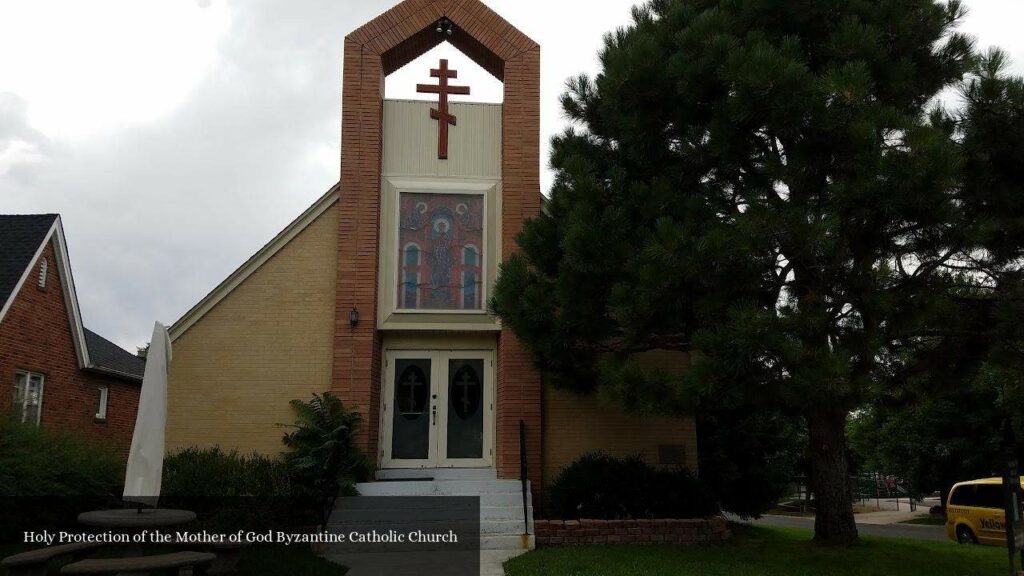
(146, 459)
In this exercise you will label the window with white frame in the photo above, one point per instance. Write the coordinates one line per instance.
(101, 409)
(44, 270)
(28, 396)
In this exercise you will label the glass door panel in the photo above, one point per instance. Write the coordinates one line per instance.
(412, 407)
(465, 426)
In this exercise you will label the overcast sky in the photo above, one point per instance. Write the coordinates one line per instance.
(176, 137)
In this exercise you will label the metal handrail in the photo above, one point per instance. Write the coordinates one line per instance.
(523, 471)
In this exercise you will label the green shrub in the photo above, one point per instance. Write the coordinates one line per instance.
(599, 486)
(37, 462)
(322, 460)
(47, 478)
(214, 473)
(230, 491)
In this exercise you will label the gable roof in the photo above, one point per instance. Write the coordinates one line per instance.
(20, 239)
(23, 238)
(110, 358)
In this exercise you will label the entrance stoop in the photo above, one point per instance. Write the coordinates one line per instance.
(501, 501)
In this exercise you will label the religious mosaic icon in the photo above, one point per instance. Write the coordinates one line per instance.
(440, 251)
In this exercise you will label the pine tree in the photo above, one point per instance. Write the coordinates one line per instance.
(937, 414)
(759, 181)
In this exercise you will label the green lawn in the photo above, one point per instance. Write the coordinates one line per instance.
(766, 552)
(286, 561)
(255, 561)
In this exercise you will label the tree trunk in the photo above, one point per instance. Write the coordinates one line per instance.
(829, 478)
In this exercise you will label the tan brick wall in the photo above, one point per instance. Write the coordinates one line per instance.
(268, 342)
(576, 424)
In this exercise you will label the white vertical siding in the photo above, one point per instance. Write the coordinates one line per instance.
(410, 140)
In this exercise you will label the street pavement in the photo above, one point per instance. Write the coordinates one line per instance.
(912, 531)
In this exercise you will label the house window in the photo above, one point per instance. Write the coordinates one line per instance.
(28, 397)
(44, 268)
(101, 410)
(440, 255)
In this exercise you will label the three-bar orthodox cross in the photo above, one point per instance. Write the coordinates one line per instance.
(441, 114)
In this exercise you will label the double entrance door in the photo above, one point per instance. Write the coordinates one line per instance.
(438, 409)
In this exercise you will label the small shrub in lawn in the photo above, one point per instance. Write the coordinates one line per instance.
(600, 486)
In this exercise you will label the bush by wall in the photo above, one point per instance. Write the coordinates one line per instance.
(47, 478)
(599, 486)
(213, 472)
(232, 491)
(588, 532)
(321, 456)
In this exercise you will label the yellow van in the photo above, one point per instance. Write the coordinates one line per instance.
(974, 512)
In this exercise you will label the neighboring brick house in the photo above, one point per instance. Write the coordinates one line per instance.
(54, 372)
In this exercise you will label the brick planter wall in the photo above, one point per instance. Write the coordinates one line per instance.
(583, 532)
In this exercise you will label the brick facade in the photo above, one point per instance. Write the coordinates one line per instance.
(575, 424)
(35, 336)
(586, 532)
(264, 344)
(372, 52)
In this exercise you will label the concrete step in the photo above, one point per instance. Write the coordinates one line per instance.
(395, 474)
(487, 527)
(500, 505)
(441, 513)
(486, 500)
(439, 488)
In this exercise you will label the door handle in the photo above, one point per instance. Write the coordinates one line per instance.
(433, 415)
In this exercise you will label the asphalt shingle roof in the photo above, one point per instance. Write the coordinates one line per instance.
(105, 354)
(20, 237)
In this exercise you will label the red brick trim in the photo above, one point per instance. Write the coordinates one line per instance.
(371, 52)
(586, 532)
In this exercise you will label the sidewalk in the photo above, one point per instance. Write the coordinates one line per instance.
(912, 531)
(888, 516)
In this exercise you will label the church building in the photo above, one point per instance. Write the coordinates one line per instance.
(378, 292)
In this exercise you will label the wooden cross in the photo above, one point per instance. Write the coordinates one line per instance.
(441, 114)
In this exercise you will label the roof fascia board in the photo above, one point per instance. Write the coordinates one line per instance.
(70, 294)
